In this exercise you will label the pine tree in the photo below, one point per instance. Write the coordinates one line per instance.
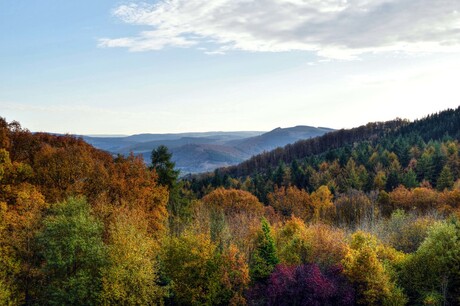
(161, 162)
(445, 179)
(264, 258)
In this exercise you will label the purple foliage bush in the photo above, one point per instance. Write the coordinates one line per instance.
(303, 285)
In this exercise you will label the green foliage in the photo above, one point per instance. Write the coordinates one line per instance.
(161, 162)
(191, 263)
(292, 243)
(446, 179)
(434, 270)
(73, 254)
(264, 258)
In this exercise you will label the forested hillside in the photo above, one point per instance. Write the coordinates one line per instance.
(367, 216)
(377, 156)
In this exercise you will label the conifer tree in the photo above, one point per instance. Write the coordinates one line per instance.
(265, 257)
(445, 179)
(161, 162)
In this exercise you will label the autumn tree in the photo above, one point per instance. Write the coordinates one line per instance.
(233, 201)
(365, 268)
(291, 201)
(307, 285)
(25, 207)
(191, 264)
(323, 207)
(131, 274)
(234, 276)
(9, 265)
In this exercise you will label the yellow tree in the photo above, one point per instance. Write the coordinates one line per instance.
(364, 266)
(24, 208)
(9, 265)
(323, 208)
(131, 275)
(190, 262)
(234, 276)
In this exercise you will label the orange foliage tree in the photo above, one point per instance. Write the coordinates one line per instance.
(291, 201)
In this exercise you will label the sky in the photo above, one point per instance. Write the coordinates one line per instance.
(128, 67)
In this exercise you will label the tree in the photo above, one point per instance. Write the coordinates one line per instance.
(307, 285)
(292, 242)
(322, 203)
(409, 179)
(445, 179)
(233, 201)
(291, 201)
(9, 265)
(131, 275)
(73, 254)
(234, 276)
(161, 162)
(434, 270)
(191, 264)
(365, 268)
(265, 258)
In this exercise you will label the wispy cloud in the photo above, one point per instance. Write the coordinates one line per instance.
(330, 28)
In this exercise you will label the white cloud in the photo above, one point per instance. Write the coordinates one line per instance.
(331, 28)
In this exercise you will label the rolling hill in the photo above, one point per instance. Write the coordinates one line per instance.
(201, 152)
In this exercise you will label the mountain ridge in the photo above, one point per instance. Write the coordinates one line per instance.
(196, 152)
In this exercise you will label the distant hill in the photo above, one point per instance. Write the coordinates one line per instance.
(278, 137)
(201, 152)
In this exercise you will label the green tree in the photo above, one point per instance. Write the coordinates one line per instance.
(434, 270)
(192, 266)
(265, 258)
(164, 167)
(409, 179)
(178, 203)
(445, 179)
(73, 253)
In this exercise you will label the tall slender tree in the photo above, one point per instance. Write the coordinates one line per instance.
(162, 164)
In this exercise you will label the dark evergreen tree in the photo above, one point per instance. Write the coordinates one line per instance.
(445, 179)
(164, 167)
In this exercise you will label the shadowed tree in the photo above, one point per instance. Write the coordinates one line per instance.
(162, 164)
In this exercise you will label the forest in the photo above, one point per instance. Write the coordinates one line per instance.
(365, 216)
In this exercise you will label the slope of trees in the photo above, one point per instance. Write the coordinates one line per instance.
(367, 216)
(378, 156)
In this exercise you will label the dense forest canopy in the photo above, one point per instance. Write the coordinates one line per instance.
(366, 216)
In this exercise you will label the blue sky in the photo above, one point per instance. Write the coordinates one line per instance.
(108, 67)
